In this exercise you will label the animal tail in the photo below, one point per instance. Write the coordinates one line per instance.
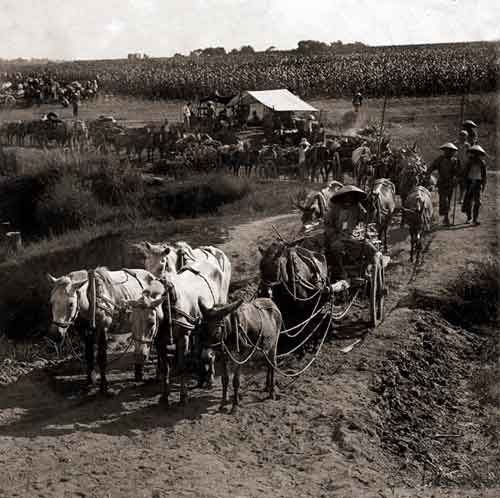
(92, 297)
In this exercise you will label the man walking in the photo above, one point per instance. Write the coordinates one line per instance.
(475, 174)
(446, 165)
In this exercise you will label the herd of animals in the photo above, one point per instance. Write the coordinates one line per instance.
(179, 305)
(178, 153)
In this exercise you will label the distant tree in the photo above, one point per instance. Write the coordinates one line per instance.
(214, 51)
(270, 49)
(234, 51)
(196, 53)
(311, 46)
(247, 50)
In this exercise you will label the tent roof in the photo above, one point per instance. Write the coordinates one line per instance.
(277, 100)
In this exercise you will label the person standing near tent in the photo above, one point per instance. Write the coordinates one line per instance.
(186, 115)
(303, 148)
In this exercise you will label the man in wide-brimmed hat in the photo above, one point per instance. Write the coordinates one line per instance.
(475, 174)
(447, 167)
(340, 222)
(471, 128)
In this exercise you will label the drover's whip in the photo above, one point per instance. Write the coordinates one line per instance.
(461, 118)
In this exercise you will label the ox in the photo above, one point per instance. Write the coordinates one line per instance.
(242, 329)
(296, 279)
(195, 286)
(381, 204)
(163, 260)
(418, 216)
(316, 205)
(98, 297)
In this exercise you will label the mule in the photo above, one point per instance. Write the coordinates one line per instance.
(242, 329)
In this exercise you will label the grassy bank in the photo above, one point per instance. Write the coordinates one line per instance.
(79, 212)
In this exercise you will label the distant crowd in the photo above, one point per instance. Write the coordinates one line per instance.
(36, 89)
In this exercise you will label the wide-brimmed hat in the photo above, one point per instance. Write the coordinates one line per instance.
(448, 145)
(469, 122)
(346, 192)
(478, 149)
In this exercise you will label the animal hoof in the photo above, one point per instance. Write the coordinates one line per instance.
(163, 401)
(222, 408)
(235, 409)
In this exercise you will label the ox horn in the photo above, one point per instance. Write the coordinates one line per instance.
(77, 285)
(219, 312)
(52, 280)
(157, 302)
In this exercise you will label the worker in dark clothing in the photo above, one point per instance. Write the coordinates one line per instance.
(475, 174)
(357, 101)
(447, 166)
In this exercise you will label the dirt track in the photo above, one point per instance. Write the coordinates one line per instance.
(351, 426)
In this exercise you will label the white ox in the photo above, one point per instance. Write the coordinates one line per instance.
(200, 285)
(98, 303)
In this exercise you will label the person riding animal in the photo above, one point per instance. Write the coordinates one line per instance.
(345, 214)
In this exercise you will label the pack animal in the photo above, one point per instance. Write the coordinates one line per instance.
(418, 215)
(381, 204)
(242, 329)
(97, 297)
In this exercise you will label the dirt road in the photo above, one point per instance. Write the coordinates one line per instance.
(358, 424)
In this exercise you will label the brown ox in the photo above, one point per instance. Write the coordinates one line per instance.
(242, 329)
(418, 216)
(381, 205)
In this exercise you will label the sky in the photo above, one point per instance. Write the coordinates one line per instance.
(102, 29)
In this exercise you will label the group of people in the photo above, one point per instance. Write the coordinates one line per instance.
(462, 172)
(38, 89)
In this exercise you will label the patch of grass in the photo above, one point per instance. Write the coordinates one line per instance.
(202, 195)
(267, 197)
(479, 288)
(484, 108)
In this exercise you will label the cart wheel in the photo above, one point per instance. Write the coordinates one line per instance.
(377, 293)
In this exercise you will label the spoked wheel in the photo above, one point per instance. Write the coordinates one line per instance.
(377, 293)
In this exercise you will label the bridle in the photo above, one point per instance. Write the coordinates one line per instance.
(153, 335)
(66, 324)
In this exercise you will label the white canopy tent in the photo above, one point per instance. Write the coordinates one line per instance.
(275, 100)
(264, 101)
